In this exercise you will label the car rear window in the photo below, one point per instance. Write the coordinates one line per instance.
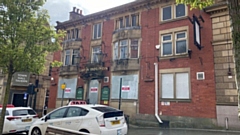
(23, 112)
(105, 109)
(109, 112)
(6, 113)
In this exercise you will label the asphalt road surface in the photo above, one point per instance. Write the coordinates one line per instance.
(155, 131)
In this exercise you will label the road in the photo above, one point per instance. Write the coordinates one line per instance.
(155, 131)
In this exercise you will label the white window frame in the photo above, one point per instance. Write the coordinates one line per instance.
(130, 48)
(98, 36)
(181, 39)
(123, 46)
(174, 39)
(166, 42)
(76, 55)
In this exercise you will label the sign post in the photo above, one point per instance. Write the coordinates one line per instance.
(63, 86)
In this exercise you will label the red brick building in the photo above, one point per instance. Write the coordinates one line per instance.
(115, 52)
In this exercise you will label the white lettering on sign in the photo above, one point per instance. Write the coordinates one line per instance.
(125, 88)
(94, 89)
(67, 90)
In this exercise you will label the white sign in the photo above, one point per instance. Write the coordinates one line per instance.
(68, 90)
(93, 89)
(125, 88)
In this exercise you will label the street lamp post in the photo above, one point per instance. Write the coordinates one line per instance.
(63, 86)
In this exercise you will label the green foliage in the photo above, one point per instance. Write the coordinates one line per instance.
(25, 40)
(56, 63)
(198, 4)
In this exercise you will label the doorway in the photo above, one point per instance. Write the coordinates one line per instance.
(19, 100)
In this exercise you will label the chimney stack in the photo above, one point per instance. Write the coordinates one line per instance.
(80, 12)
(77, 11)
(74, 9)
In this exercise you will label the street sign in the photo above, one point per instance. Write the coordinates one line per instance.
(63, 86)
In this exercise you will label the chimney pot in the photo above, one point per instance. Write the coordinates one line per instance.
(77, 11)
(74, 9)
(80, 12)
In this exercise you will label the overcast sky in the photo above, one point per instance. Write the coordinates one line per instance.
(59, 9)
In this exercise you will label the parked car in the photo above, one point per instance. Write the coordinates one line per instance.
(18, 119)
(94, 119)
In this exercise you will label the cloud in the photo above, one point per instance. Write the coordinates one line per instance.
(59, 9)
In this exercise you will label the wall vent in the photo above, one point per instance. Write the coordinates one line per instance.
(200, 76)
(106, 79)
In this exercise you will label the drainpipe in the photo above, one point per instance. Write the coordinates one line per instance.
(156, 93)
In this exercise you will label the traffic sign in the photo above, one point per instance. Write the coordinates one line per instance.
(63, 86)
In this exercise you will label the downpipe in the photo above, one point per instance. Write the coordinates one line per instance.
(156, 93)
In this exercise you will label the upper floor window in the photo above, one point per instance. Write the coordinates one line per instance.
(95, 54)
(97, 31)
(174, 43)
(72, 34)
(127, 21)
(127, 48)
(71, 57)
(173, 12)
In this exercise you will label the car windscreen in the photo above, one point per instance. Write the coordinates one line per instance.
(23, 112)
(6, 113)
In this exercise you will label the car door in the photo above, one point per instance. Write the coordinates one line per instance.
(55, 118)
(73, 118)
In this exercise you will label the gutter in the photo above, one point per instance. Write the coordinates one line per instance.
(156, 93)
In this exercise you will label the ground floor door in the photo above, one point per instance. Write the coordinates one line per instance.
(93, 91)
(19, 99)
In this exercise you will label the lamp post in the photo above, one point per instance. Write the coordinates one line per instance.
(63, 87)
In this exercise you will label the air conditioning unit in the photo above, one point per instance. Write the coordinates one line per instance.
(106, 79)
(200, 76)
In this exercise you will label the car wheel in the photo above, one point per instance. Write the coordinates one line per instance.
(36, 131)
(84, 130)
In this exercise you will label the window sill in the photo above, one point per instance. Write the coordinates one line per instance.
(96, 39)
(176, 100)
(72, 40)
(127, 28)
(173, 20)
(173, 57)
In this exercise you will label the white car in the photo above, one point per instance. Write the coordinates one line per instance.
(18, 119)
(94, 119)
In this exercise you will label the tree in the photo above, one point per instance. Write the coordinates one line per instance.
(196, 3)
(25, 40)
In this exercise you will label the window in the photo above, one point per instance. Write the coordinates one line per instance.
(73, 35)
(73, 112)
(175, 85)
(58, 113)
(95, 52)
(97, 31)
(167, 13)
(23, 112)
(127, 21)
(134, 48)
(77, 33)
(173, 11)
(178, 45)
(122, 49)
(68, 35)
(75, 57)
(71, 57)
(67, 57)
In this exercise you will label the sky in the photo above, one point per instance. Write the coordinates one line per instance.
(59, 9)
